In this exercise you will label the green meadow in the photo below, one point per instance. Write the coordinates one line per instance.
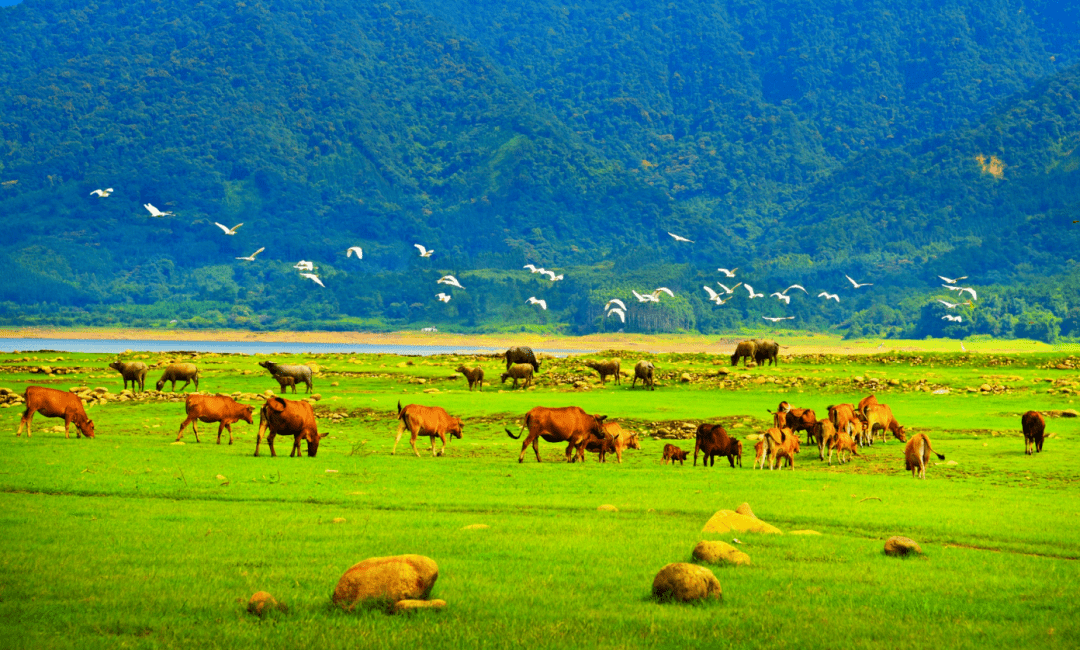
(130, 540)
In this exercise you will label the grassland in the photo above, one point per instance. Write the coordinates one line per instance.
(129, 540)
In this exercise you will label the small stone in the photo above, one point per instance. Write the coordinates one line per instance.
(894, 382)
(901, 546)
(394, 578)
(220, 477)
(803, 532)
(178, 442)
(316, 396)
(951, 462)
(720, 553)
(404, 606)
(262, 602)
(685, 378)
(607, 507)
(684, 582)
(339, 520)
(476, 527)
(986, 388)
(431, 390)
(334, 384)
(726, 521)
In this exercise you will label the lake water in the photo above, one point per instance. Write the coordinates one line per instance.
(117, 346)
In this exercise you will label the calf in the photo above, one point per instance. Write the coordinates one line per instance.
(1034, 429)
(427, 421)
(283, 417)
(615, 440)
(53, 403)
(285, 382)
(644, 370)
(474, 376)
(672, 454)
(824, 431)
(780, 443)
(916, 453)
(213, 408)
(880, 416)
(133, 371)
(795, 419)
(841, 443)
(519, 371)
(605, 368)
(301, 374)
(760, 453)
(186, 372)
(712, 440)
(570, 424)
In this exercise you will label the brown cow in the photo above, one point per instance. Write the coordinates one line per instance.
(840, 443)
(475, 376)
(795, 419)
(519, 371)
(760, 453)
(213, 408)
(53, 403)
(840, 415)
(712, 440)
(672, 454)
(427, 421)
(285, 417)
(605, 368)
(780, 443)
(615, 440)
(824, 431)
(645, 371)
(879, 416)
(916, 453)
(570, 424)
(866, 401)
(1034, 429)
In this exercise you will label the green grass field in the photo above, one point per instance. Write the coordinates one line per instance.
(128, 540)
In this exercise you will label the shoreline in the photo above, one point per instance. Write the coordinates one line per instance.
(797, 343)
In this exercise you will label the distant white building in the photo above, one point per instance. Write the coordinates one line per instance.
(430, 329)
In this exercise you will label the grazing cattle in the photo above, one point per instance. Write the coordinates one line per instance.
(841, 443)
(186, 372)
(615, 440)
(856, 430)
(644, 370)
(283, 417)
(780, 443)
(427, 421)
(840, 415)
(521, 354)
(213, 408)
(766, 350)
(760, 453)
(795, 419)
(300, 374)
(475, 376)
(570, 424)
(285, 382)
(52, 403)
(1034, 429)
(519, 371)
(605, 368)
(917, 453)
(673, 453)
(745, 350)
(712, 440)
(824, 431)
(133, 371)
(866, 401)
(880, 416)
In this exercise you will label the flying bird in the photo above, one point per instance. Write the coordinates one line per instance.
(228, 231)
(795, 286)
(532, 268)
(450, 280)
(357, 250)
(304, 265)
(550, 274)
(774, 319)
(251, 258)
(423, 251)
(727, 273)
(102, 193)
(829, 296)
(948, 304)
(656, 292)
(154, 212)
(752, 294)
(443, 297)
(615, 301)
(678, 238)
(780, 296)
(621, 314)
(314, 278)
(533, 300)
(950, 317)
(731, 290)
(856, 284)
(646, 298)
(969, 290)
(712, 294)
(962, 277)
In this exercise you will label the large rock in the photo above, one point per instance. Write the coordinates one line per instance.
(901, 547)
(400, 577)
(720, 553)
(262, 602)
(726, 521)
(683, 582)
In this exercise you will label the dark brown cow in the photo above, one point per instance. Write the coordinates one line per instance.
(213, 408)
(53, 403)
(430, 421)
(285, 417)
(475, 376)
(880, 416)
(712, 440)
(795, 419)
(570, 424)
(1034, 429)
(672, 454)
(746, 351)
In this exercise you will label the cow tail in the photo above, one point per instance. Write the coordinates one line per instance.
(399, 409)
(523, 425)
(928, 446)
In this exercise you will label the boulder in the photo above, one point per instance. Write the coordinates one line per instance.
(744, 509)
(1070, 413)
(399, 577)
(262, 602)
(685, 378)
(897, 546)
(411, 605)
(685, 582)
(726, 521)
(720, 553)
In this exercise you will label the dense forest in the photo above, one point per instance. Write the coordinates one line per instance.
(798, 141)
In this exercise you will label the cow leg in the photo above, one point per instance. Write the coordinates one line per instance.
(67, 425)
(442, 450)
(400, 430)
(570, 450)
(270, 441)
(27, 419)
(412, 441)
(536, 447)
(221, 427)
(183, 425)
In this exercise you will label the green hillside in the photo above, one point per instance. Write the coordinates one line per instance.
(798, 141)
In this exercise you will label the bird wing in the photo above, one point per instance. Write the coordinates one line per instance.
(750, 289)
(971, 291)
(617, 302)
(542, 303)
(227, 231)
(420, 248)
(947, 279)
(530, 267)
(796, 286)
(153, 211)
(233, 229)
(637, 295)
(951, 288)
(712, 294)
(622, 315)
(98, 192)
(950, 305)
(665, 290)
(856, 284)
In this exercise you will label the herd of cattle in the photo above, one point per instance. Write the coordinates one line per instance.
(844, 431)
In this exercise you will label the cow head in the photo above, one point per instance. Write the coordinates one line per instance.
(899, 433)
(456, 428)
(633, 442)
(505, 376)
(161, 383)
(86, 426)
(267, 364)
(118, 366)
(779, 418)
(735, 359)
(598, 426)
(246, 413)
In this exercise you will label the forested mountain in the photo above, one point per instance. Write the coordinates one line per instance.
(797, 140)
